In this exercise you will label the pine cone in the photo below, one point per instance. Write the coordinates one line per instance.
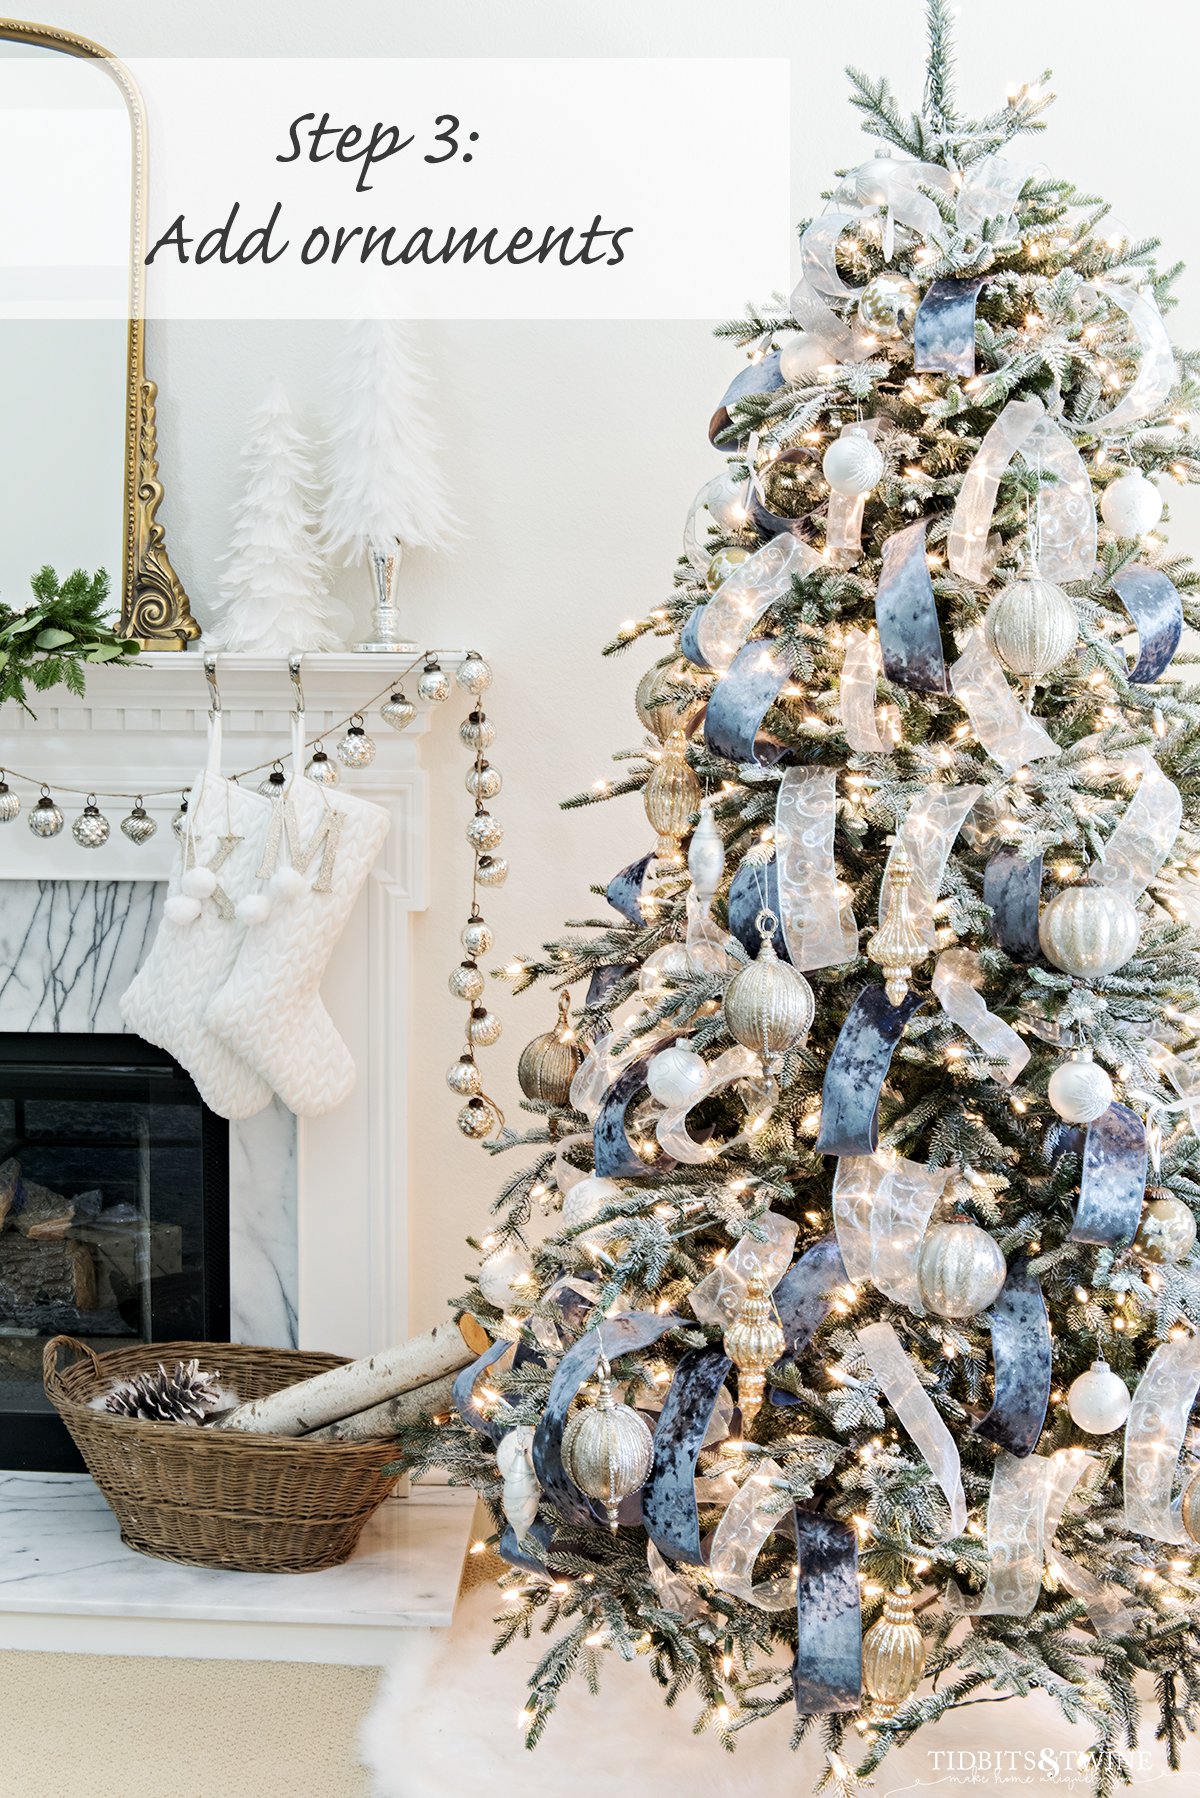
(185, 1395)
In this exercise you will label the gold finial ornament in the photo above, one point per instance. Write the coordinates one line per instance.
(898, 945)
(551, 1061)
(672, 795)
(607, 1448)
(893, 1653)
(754, 1342)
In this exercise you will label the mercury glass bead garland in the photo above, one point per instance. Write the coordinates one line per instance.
(356, 749)
(10, 803)
(607, 1448)
(480, 1118)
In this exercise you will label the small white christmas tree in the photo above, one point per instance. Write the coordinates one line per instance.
(384, 491)
(273, 596)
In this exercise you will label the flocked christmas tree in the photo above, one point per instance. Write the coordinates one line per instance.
(273, 596)
(871, 1208)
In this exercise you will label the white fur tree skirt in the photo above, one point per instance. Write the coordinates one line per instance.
(446, 1722)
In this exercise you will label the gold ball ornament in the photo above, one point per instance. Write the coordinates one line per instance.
(671, 796)
(723, 565)
(893, 1653)
(607, 1448)
(551, 1061)
(1032, 627)
(659, 713)
(1167, 1231)
(769, 1006)
(1089, 931)
(960, 1270)
(754, 1342)
(888, 306)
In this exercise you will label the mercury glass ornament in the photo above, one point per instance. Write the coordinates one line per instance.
(179, 821)
(852, 464)
(483, 782)
(483, 1027)
(466, 982)
(662, 715)
(275, 784)
(491, 871)
(1089, 931)
(434, 683)
(769, 1006)
(464, 1078)
(551, 1061)
(477, 1119)
(45, 819)
(398, 711)
(473, 674)
(139, 826)
(10, 804)
(706, 854)
(356, 749)
(1131, 505)
(1079, 1090)
(888, 305)
(960, 1270)
(675, 1075)
(1189, 1509)
(476, 937)
(893, 1653)
(671, 795)
(754, 1341)
(898, 945)
(484, 832)
(1098, 1400)
(91, 828)
(607, 1448)
(723, 565)
(1032, 627)
(1167, 1231)
(321, 771)
(477, 731)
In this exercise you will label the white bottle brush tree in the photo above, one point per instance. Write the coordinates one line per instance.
(384, 491)
(273, 596)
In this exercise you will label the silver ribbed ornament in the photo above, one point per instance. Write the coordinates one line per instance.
(274, 785)
(10, 804)
(473, 674)
(398, 711)
(960, 1269)
(607, 1448)
(139, 826)
(1032, 627)
(477, 731)
(483, 1027)
(91, 828)
(484, 832)
(321, 771)
(476, 938)
(1089, 931)
(464, 1078)
(483, 782)
(706, 854)
(45, 819)
(356, 749)
(491, 871)
(434, 683)
(769, 1006)
(466, 982)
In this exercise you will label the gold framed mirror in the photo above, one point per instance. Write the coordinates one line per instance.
(75, 334)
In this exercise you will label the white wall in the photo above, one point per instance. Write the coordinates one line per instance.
(572, 511)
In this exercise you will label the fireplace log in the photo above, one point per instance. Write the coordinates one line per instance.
(44, 1277)
(358, 1385)
(394, 1415)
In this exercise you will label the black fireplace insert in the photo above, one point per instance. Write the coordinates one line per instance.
(114, 1216)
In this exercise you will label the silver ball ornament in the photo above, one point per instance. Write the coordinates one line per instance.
(321, 771)
(483, 782)
(1032, 627)
(1089, 931)
(464, 1078)
(1131, 505)
(398, 711)
(675, 1075)
(960, 1270)
(852, 464)
(433, 684)
(491, 871)
(473, 675)
(484, 832)
(356, 749)
(139, 826)
(888, 305)
(476, 938)
(466, 982)
(10, 804)
(483, 1027)
(477, 731)
(91, 828)
(873, 181)
(180, 820)
(607, 1449)
(1167, 1231)
(275, 784)
(45, 819)
(769, 1006)
(802, 356)
(1079, 1090)
(477, 1119)
(1099, 1400)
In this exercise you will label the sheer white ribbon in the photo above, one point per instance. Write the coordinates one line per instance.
(862, 665)
(1028, 1497)
(1066, 513)
(903, 1390)
(1144, 838)
(1154, 1437)
(718, 1297)
(956, 980)
(1156, 373)
(727, 1070)
(749, 592)
(927, 837)
(1010, 734)
(882, 1205)
(819, 927)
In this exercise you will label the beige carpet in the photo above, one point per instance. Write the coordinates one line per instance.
(115, 1726)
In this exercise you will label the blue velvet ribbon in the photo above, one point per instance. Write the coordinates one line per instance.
(669, 1509)
(741, 700)
(1021, 1364)
(605, 979)
(803, 1299)
(906, 613)
(464, 1392)
(1153, 603)
(613, 1155)
(759, 377)
(827, 1670)
(1012, 886)
(1113, 1184)
(689, 641)
(857, 1070)
(624, 890)
(944, 328)
(754, 888)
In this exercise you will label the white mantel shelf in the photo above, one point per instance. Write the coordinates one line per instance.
(68, 1584)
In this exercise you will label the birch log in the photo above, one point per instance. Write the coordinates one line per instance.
(357, 1385)
(394, 1415)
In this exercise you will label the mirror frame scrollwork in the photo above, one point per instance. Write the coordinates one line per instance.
(154, 605)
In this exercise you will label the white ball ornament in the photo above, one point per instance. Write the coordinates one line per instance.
(960, 1270)
(675, 1075)
(255, 908)
(873, 181)
(803, 355)
(852, 464)
(1131, 505)
(1098, 1400)
(1079, 1090)
(587, 1199)
(199, 883)
(180, 909)
(1089, 931)
(507, 1277)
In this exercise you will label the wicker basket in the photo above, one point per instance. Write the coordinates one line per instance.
(217, 1498)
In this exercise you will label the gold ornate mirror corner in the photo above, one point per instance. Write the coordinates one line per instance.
(154, 606)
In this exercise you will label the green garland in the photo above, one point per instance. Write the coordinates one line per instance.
(47, 642)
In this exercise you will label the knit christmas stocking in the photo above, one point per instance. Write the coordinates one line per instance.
(199, 937)
(319, 850)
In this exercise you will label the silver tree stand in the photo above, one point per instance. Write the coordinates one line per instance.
(388, 638)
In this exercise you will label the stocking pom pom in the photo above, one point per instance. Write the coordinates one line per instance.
(199, 883)
(255, 908)
(287, 883)
(180, 909)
